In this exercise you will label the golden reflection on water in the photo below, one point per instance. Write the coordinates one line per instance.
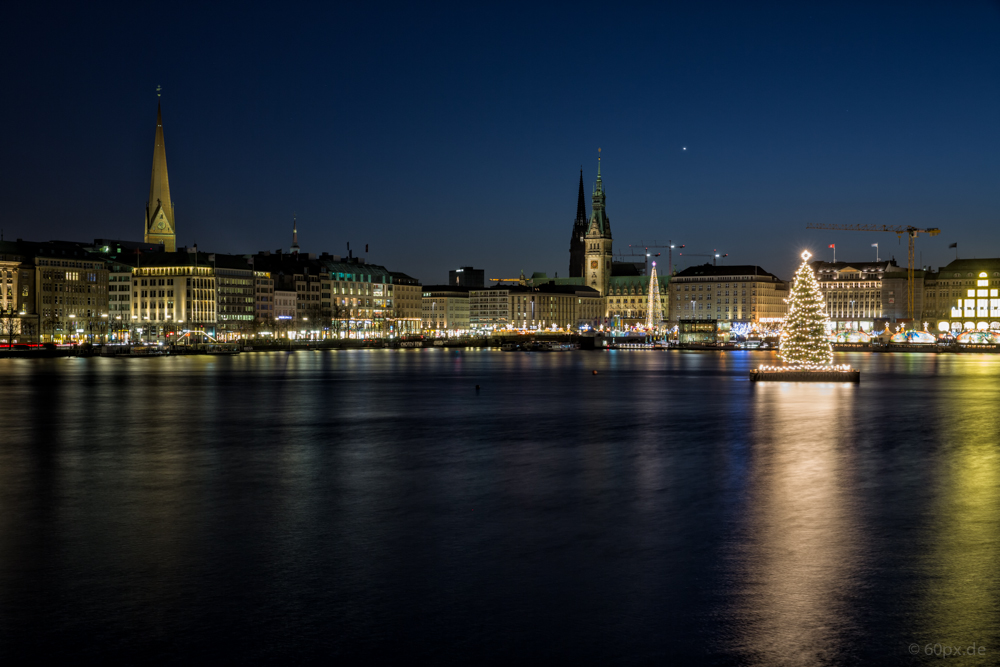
(798, 559)
(959, 602)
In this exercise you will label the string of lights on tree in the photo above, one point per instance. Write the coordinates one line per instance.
(654, 307)
(804, 342)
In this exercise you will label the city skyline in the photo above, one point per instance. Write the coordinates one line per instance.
(888, 121)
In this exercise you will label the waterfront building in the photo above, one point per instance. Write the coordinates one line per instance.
(284, 305)
(576, 240)
(263, 297)
(339, 296)
(490, 309)
(535, 307)
(406, 302)
(235, 290)
(703, 331)
(174, 291)
(895, 296)
(119, 300)
(361, 296)
(14, 277)
(560, 307)
(627, 302)
(962, 296)
(445, 309)
(159, 227)
(861, 295)
(743, 293)
(467, 276)
(53, 292)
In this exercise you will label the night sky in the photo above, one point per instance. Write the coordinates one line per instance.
(448, 136)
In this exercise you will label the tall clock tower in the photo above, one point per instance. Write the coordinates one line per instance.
(597, 241)
(160, 208)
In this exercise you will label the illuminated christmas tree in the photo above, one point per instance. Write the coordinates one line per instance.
(654, 309)
(804, 339)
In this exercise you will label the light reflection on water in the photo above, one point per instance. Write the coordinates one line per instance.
(799, 554)
(958, 550)
(372, 503)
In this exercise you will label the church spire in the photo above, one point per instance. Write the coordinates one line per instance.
(581, 203)
(295, 237)
(598, 187)
(160, 208)
(576, 244)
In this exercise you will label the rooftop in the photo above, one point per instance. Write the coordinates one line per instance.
(712, 271)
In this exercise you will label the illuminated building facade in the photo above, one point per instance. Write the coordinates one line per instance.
(172, 292)
(343, 296)
(52, 292)
(263, 297)
(445, 308)
(964, 295)
(490, 309)
(627, 301)
(13, 304)
(853, 292)
(284, 305)
(549, 305)
(406, 303)
(119, 299)
(235, 289)
(745, 293)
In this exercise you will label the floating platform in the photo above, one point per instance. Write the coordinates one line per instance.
(792, 375)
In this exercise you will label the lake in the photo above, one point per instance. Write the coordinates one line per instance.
(373, 505)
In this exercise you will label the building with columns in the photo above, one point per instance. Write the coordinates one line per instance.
(859, 293)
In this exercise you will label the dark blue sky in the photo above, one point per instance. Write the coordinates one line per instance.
(447, 136)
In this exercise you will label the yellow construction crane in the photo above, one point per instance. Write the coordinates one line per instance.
(911, 232)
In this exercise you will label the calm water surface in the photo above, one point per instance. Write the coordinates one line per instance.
(372, 505)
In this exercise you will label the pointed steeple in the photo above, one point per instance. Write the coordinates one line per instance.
(160, 208)
(576, 250)
(598, 187)
(295, 237)
(581, 203)
(599, 222)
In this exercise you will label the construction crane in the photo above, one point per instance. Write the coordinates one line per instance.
(910, 231)
(670, 246)
(714, 255)
(626, 257)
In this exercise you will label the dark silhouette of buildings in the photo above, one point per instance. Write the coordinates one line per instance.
(576, 244)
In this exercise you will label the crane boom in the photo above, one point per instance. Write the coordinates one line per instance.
(858, 228)
(898, 230)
